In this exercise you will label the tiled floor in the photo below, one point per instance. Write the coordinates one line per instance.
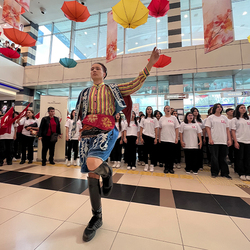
(48, 207)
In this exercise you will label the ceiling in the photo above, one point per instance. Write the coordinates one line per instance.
(54, 13)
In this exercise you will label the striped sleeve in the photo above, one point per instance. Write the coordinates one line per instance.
(131, 87)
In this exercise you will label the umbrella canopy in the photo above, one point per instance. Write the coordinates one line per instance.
(75, 11)
(19, 37)
(8, 52)
(130, 13)
(68, 62)
(158, 8)
(162, 61)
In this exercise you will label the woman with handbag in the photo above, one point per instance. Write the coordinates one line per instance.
(29, 124)
(49, 132)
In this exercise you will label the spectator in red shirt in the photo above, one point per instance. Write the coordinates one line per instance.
(49, 125)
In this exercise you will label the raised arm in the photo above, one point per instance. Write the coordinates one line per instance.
(131, 87)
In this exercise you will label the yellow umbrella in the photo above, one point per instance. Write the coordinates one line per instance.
(248, 38)
(130, 13)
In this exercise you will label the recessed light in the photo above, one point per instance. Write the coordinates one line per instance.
(186, 16)
(158, 20)
(244, 13)
(93, 43)
(136, 43)
(85, 33)
(84, 54)
(1, 7)
(117, 49)
(182, 35)
(159, 38)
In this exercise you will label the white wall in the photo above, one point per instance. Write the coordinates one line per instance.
(184, 60)
(11, 73)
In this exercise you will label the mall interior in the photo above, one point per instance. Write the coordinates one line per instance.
(48, 207)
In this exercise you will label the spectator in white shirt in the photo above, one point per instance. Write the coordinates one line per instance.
(148, 135)
(217, 127)
(230, 116)
(30, 124)
(168, 138)
(189, 131)
(241, 137)
(177, 151)
(197, 118)
(140, 146)
(131, 135)
(116, 154)
(72, 141)
(7, 145)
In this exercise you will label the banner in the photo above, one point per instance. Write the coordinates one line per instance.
(111, 52)
(218, 24)
(11, 13)
(59, 103)
(24, 3)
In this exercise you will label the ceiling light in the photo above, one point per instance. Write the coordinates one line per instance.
(182, 35)
(136, 43)
(186, 16)
(244, 13)
(85, 33)
(158, 20)
(159, 38)
(84, 54)
(93, 43)
(117, 49)
(1, 7)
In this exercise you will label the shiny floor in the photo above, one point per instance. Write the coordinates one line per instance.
(48, 208)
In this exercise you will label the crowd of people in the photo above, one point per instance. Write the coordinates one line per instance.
(151, 140)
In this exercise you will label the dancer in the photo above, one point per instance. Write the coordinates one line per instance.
(97, 106)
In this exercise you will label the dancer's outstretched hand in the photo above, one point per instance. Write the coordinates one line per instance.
(153, 58)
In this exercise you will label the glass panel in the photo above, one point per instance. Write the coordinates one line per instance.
(76, 91)
(62, 26)
(197, 27)
(185, 29)
(203, 101)
(120, 40)
(86, 43)
(60, 46)
(188, 103)
(243, 100)
(45, 29)
(187, 85)
(243, 79)
(162, 103)
(223, 83)
(42, 50)
(39, 92)
(144, 101)
(71, 104)
(196, 4)
(142, 38)
(162, 32)
(59, 92)
(103, 18)
(102, 41)
(241, 18)
(184, 4)
(148, 88)
(163, 87)
(92, 21)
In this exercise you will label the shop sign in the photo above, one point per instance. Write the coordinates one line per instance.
(235, 94)
(176, 96)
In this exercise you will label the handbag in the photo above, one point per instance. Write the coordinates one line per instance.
(54, 136)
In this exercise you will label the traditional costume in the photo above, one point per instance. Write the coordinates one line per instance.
(96, 107)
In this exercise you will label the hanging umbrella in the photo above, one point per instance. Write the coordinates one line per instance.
(130, 13)
(75, 11)
(162, 61)
(19, 37)
(248, 38)
(68, 62)
(8, 52)
(158, 8)
(22, 10)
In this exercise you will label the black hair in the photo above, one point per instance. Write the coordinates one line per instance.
(71, 114)
(120, 122)
(157, 111)
(140, 117)
(237, 113)
(198, 119)
(209, 111)
(186, 120)
(177, 117)
(103, 68)
(33, 117)
(17, 113)
(248, 107)
(152, 116)
(229, 109)
(135, 119)
(50, 108)
(215, 107)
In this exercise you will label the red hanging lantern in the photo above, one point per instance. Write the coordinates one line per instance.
(162, 61)
(75, 11)
(158, 8)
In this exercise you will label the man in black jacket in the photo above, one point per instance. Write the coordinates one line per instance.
(50, 125)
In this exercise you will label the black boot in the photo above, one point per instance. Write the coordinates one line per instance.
(106, 172)
(95, 199)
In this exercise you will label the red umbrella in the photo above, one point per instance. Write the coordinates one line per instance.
(22, 10)
(162, 61)
(158, 8)
(75, 11)
(9, 52)
(19, 37)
